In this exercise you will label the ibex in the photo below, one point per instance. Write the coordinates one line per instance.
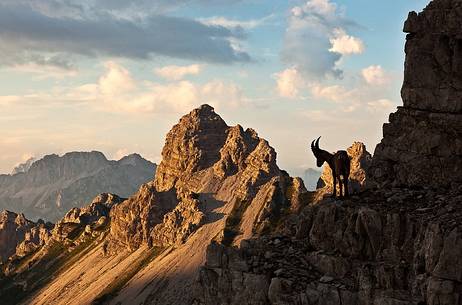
(339, 163)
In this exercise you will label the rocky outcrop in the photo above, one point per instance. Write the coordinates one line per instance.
(368, 250)
(53, 185)
(93, 216)
(360, 161)
(422, 143)
(191, 145)
(19, 236)
(134, 219)
(215, 183)
(205, 163)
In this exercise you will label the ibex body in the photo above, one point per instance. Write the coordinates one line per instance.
(339, 163)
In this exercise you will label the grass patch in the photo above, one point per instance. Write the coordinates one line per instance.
(112, 290)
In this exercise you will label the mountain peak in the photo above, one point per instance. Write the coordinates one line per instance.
(191, 145)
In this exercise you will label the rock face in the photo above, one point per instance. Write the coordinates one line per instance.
(215, 182)
(368, 250)
(422, 143)
(94, 215)
(360, 161)
(19, 235)
(204, 160)
(53, 185)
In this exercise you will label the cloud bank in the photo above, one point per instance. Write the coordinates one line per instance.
(316, 39)
(178, 72)
(32, 32)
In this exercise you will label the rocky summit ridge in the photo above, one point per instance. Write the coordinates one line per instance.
(222, 224)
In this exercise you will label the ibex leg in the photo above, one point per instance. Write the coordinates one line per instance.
(334, 193)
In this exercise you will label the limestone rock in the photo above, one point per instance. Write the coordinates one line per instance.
(422, 143)
(19, 236)
(78, 219)
(178, 224)
(133, 220)
(360, 161)
(192, 145)
(206, 163)
(366, 250)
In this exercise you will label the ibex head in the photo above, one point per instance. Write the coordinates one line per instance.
(316, 151)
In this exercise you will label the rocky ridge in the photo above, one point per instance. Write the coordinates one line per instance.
(46, 249)
(53, 185)
(215, 183)
(393, 247)
(360, 161)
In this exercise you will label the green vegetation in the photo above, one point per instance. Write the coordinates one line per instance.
(114, 287)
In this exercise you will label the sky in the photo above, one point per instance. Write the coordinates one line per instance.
(116, 75)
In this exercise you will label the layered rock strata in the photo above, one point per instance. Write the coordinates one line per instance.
(422, 143)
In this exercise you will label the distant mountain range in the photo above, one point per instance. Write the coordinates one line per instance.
(49, 187)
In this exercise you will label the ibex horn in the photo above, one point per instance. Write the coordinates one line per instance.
(317, 143)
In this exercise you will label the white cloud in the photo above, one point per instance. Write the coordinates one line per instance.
(181, 97)
(346, 44)
(116, 80)
(289, 82)
(381, 105)
(233, 23)
(316, 40)
(375, 75)
(334, 93)
(178, 72)
(118, 91)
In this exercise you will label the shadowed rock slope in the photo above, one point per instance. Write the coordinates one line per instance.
(49, 187)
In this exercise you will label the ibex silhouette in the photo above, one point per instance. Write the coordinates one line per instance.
(339, 163)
